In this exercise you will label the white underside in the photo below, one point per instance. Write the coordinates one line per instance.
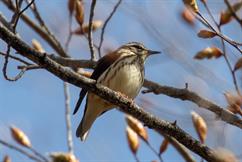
(125, 81)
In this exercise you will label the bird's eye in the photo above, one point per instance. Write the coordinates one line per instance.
(137, 48)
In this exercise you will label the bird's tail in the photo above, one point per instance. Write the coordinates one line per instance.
(80, 132)
(85, 125)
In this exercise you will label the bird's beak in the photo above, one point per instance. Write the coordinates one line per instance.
(150, 52)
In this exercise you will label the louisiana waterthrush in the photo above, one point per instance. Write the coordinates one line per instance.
(121, 71)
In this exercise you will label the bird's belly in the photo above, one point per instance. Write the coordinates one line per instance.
(127, 80)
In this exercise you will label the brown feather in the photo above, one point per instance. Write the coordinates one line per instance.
(102, 65)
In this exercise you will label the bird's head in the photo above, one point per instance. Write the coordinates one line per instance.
(136, 48)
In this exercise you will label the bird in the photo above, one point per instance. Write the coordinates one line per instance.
(121, 70)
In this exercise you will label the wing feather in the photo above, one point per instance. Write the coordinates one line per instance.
(103, 64)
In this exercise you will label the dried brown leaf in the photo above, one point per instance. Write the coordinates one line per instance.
(192, 4)
(233, 98)
(206, 34)
(200, 126)
(37, 46)
(238, 64)
(137, 126)
(208, 53)
(6, 159)
(225, 155)
(85, 28)
(226, 16)
(163, 146)
(20, 137)
(234, 102)
(133, 140)
(79, 8)
(236, 109)
(63, 157)
(188, 16)
(71, 6)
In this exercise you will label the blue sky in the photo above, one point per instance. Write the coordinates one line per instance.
(35, 103)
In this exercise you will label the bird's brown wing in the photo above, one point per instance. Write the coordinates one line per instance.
(102, 65)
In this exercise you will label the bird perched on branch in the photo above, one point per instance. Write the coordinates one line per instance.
(121, 71)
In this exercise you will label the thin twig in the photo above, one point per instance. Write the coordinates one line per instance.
(231, 42)
(43, 25)
(210, 13)
(181, 149)
(18, 149)
(202, 19)
(68, 118)
(16, 58)
(70, 34)
(5, 23)
(15, 17)
(39, 19)
(223, 48)
(5, 66)
(136, 157)
(30, 67)
(14, 23)
(38, 154)
(55, 45)
(153, 149)
(20, 13)
(68, 39)
(233, 12)
(94, 45)
(229, 65)
(105, 24)
(67, 99)
(90, 28)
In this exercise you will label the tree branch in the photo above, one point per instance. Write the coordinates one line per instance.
(185, 94)
(126, 105)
